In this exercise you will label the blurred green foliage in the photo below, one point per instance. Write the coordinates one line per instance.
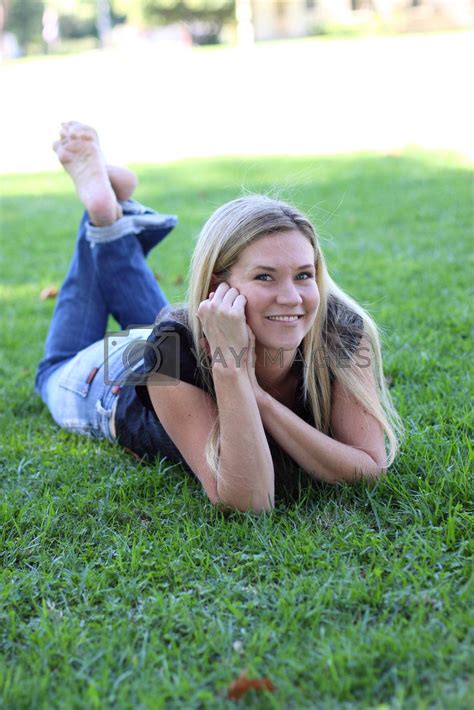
(24, 19)
(78, 18)
(204, 18)
(188, 10)
(168, 11)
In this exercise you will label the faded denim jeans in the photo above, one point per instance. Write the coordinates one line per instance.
(108, 274)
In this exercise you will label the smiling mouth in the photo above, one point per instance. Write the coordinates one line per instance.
(284, 319)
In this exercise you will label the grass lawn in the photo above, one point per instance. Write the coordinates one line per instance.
(121, 586)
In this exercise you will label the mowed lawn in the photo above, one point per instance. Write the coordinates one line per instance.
(121, 585)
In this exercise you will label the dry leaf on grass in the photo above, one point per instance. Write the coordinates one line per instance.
(243, 684)
(178, 280)
(48, 292)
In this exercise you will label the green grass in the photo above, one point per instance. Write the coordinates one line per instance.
(121, 585)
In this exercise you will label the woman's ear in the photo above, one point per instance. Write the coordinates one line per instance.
(214, 283)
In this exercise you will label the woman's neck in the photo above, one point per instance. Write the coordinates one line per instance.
(272, 367)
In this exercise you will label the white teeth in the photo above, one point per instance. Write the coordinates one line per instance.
(282, 318)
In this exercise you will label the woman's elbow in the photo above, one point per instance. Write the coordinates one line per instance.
(370, 471)
(228, 506)
(375, 471)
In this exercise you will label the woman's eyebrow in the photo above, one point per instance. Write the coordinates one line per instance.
(272, 268)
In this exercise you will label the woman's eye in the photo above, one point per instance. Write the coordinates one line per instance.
(303, 276)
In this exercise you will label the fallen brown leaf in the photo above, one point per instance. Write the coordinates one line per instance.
(48, 292)
(178, 280)
(243, 684)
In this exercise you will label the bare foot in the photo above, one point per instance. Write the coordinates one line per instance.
(123, 181)
(79, 153)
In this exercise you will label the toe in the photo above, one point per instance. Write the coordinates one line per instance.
(64, 132)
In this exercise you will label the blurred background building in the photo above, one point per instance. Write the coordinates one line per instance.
(297, 18)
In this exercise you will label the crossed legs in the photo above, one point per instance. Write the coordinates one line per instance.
(108, 273)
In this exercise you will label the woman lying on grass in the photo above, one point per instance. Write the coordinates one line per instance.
(274, 368)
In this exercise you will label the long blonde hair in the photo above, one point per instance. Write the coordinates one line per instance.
(225, 235)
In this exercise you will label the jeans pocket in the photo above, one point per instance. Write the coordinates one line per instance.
(77, 380)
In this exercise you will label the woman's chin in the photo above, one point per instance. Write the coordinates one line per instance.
(276, 343)
(274, 336)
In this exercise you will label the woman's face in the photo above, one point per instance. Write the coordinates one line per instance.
(276, 274)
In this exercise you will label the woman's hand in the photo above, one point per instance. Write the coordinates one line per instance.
(222, 317)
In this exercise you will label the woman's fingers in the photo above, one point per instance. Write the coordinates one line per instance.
(226, 296)
(231, 298)
(239, 304)
(221, 290)
(222, 317)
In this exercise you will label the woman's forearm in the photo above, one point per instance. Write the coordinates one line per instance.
(324, 458)
(245, 474)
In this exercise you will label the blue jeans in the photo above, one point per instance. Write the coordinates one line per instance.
(108, 274)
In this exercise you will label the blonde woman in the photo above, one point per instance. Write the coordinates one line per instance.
(270, 368)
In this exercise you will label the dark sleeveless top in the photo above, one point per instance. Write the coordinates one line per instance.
(170, 350)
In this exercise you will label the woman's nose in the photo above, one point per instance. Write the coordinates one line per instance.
(288, 294)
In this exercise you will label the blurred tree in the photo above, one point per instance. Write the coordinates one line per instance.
(88, 18)
(103, 20)
(24, 19)
(4, 5)
(76, 27)
(205, 18)
(173, 10)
